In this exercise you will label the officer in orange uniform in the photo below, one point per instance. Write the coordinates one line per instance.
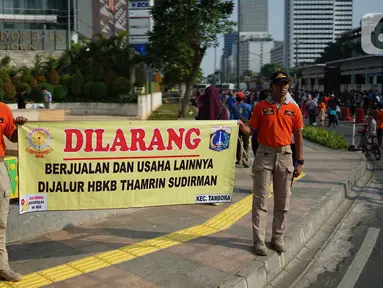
(9, 130)
(275, 120)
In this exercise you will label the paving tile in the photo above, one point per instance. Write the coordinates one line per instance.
(115, 277)
(185, 281)
(209, 276)
(159, 267)
(82, 281)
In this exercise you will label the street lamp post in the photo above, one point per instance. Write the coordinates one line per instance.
(239, 44)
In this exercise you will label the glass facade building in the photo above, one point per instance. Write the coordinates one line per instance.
(43, 24)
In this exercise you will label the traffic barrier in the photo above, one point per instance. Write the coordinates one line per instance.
(360, 117)
(345, 114)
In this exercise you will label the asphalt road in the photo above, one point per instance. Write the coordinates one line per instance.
(354, 256)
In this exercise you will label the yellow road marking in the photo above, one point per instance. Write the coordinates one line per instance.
(220, 222)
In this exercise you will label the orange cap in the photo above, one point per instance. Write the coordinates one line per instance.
(240, 95)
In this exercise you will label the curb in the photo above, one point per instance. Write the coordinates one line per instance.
(259, 273)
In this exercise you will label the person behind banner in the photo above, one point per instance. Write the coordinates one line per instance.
(275, 120)
(8, 129)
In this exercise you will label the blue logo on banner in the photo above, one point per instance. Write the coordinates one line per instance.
(219, 140)
(140, 4)
(141, 49)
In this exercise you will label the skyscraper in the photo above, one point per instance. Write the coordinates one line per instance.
(229, 39)
(310, 25)
(254, 16)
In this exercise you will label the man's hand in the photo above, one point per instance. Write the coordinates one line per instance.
(21, 120)
(240, 123)
(297, 170)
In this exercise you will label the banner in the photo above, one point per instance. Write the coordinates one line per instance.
(11, 163)
(102, 165)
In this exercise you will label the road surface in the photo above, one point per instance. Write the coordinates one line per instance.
(353, 257)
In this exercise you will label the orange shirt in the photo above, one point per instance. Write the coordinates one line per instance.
(275, 126)
(7, 126)
(323, 106)
(379, 119)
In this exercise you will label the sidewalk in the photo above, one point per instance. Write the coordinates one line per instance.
(218, 253)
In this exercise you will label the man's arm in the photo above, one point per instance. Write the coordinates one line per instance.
(15, 135)
(298, 137)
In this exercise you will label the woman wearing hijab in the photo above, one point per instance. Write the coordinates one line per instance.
(211, 107)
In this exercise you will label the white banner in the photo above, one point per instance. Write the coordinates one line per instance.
(139, 26)
(139, 14)
(143, 4)
(138, 39)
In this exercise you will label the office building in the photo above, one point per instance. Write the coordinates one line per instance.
(110, 17)
(44, 27)
(276, 54)
(229, 39)
(254, 16)
(255, 51)
(310, 25)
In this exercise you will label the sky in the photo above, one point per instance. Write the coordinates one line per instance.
(276, 25)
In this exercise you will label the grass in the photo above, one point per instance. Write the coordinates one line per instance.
(170, 112)
(325, 137)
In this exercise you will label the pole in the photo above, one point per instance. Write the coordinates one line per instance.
(353, 131)
(215, 64)
(239, 44)
(296, 52)
(75, 23)
(69, 33)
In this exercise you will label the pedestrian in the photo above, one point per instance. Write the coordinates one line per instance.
(242, 111)
(322, 114)
(9, 130)
(47, 98)
(21, 103)
(211, 108)
(379, 124)
(275, 120)
(370, 131)
(312, 110)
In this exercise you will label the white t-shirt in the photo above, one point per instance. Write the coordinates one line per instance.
(291, 99)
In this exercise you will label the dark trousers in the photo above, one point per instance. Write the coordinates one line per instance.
(312, 116)
(379, 136)
(245, 139)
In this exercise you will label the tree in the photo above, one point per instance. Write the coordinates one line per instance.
(268, 69)
(183, 31)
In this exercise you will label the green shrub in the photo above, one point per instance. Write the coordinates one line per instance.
(60, 93)
(66, 80)
(89, 77)
(1, 82)
(4, 75)
(88, 90)
(325, 137)
(36, 95)
(99, 91)
(33, 83)
(25, 87)
(109, 77)
(41, 79)
(99, 74)
(16, 80)
(120, 86)
(1, 94)
(48, 86)
(77, 86)
(9, 91)
(54, 78)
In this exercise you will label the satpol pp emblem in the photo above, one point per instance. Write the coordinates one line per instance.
(39, 140)
(220, 138)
